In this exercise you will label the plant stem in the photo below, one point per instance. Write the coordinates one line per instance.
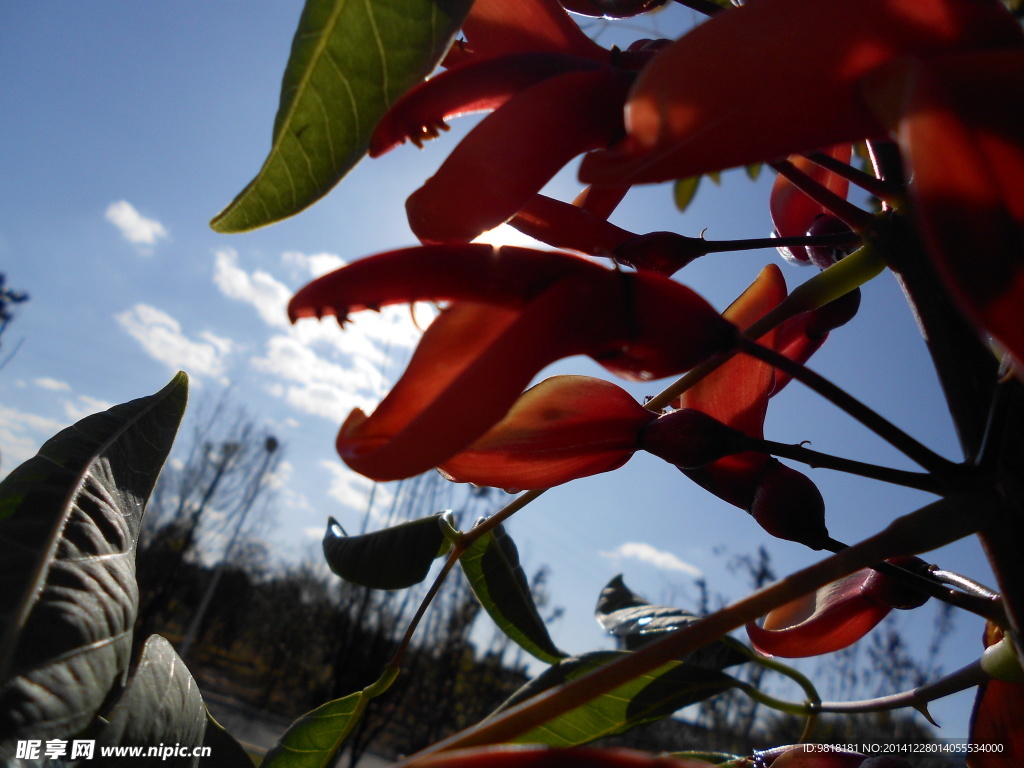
(838, 240)
(839, 279)
(918, 480)
(453, 558)
(930, 527)
(855, 218)
(841, 399)
(885, 191)
(964, 678)
(989, 607)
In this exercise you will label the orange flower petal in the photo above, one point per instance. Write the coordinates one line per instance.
(564, 428)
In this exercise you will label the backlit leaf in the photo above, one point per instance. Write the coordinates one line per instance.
(628, 616)
(349, 62)
(492, 566)
(314, 739)
(644, 699)
(69, 523)
(393, 558)
(684, 190)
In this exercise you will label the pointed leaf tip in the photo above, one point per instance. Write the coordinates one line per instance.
(349, 62)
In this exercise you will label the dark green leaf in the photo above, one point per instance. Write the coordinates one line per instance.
(684, 190)
(628, 616)
(642, 700)
(349, 62)
(393, 558)
(225, 751)
(69, 522)
(492, 566)
(160, 706)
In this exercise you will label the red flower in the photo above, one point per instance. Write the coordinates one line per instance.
(783, 501)
(513, 311)
(554, 94)
(944, 75)
(835, 616)
(963, 140)
(778, 77)
(564, 428)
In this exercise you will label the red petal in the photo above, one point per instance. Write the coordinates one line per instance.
(830, 619)
(793, 211)
(601, 199)
(965, 147)
(737, 393)
(498, 27)
(475, 360)
(564, 428)
(515, 151)
(779, 77)
(480, 86)
(567, 226)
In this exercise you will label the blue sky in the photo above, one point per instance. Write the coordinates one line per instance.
(126, 126)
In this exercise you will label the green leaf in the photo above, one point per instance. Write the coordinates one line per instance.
(684, 190)
(161, 705)
(315, 739)
(644, 699)
(69, 523)
(394, 558)
(754, 170)
(497, 579)
(628, 616)
(349, 62)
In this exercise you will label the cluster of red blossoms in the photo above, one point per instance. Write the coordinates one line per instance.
(896, 73)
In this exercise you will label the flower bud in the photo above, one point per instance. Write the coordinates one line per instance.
(789, 506)
(888, 591)
(662, 252)
(690, 438)
(824, 256)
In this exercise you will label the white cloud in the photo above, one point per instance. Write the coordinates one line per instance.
(646, 553)
(22, 433)
(162, 338)
(85, 406)
(353, 491)
(316, 264)
(52, 384)
(135, 227)
(315, 366)
(259, 289)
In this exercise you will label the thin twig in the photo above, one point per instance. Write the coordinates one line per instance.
(839, 397)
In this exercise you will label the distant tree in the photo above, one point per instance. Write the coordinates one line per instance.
(219, 484)
(9, 299)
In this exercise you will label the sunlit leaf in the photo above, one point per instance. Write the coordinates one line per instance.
(314, 739)
(684, 190)
(349, 62)
(69, 523)
(492, 566)
(628, 616)
(642, 700)
(393, 558)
